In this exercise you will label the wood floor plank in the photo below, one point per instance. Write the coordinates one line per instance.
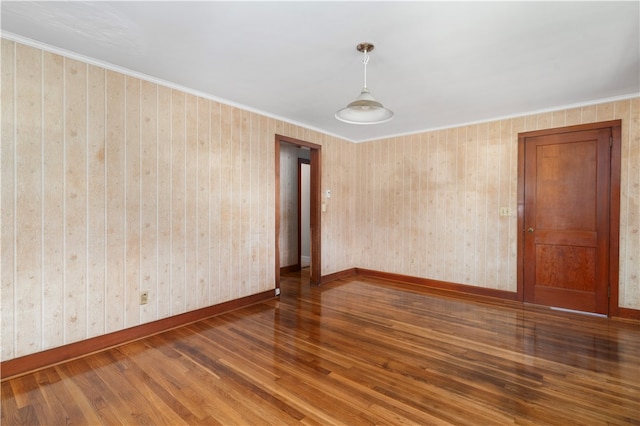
(354, 352)
(226, 382)
(190, 399)
(59, 400)
(110, 368)
(168, 410)
(88, 391)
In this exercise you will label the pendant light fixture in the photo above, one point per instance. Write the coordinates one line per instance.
(365, 109)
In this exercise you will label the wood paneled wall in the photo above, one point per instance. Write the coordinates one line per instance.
(112, 185)
(339, 173)
(428, 204)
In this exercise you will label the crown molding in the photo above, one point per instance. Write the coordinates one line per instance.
(73, 55)
(131, 73)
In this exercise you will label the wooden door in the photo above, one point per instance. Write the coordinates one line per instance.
(566, 220)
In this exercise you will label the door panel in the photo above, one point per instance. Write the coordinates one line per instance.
(566, 220)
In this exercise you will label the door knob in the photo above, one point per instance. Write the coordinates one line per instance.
(530, 230)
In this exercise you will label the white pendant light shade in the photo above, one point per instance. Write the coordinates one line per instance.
(365, 109)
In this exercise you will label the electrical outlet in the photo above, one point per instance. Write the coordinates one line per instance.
(144, 297)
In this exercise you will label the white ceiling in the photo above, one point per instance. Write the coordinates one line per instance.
(435, 64)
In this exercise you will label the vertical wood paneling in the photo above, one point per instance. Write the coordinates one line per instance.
(96, 201)
(164, 179)
(405, 207)
(236, 202)
(178, 204)
(623, 112)
(75, 197)
(28, 200)
(132, 202)
(456, 211)
(416, 236)
(348, 158)
(573, 117)
(385, 160)
(517, 126)
(115, 184)
(125, 186)
(460, 204)
(471, 203)
(422, 213)
(605, 112)
(330, 171)
(531, 122)
(545, 120)
(588, 115)
(215, 217)
(492, 208)
(203, 179)
(191, 203)
(469, 173)
(365, 186)
(484, 163)
(371, 217)
(266, 203)
(244, 213)
(373, 206)
(255, 169)
(431, 188)
(396, 208)
(441, 182)
(558, 118)
(112, 185)
(7, 201)
(53, 238)
(226, 214)
(350, 195)
(630, 232)
(505, 199)
(149, 209)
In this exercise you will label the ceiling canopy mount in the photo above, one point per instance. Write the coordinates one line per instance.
(365, 47)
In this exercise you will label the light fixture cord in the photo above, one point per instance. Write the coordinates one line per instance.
(365, 61)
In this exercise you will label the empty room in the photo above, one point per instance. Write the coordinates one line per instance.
(320, 213)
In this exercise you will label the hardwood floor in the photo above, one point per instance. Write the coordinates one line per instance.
(357, 351)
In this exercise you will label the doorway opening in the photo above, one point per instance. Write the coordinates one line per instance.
(569, 217)
(288, 251)
(304, 213)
